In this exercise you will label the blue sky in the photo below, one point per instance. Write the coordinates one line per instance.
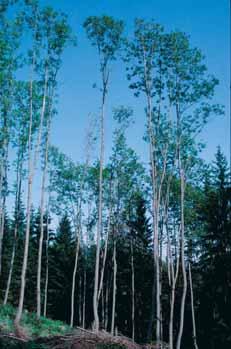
(207, 23)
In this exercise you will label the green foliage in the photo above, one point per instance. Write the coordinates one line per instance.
(171, 74)
(105, 33)
(33, 327)
(215, 261)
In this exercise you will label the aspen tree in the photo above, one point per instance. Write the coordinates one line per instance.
(10, 36)
(33, 25)
(104, 33)
(189, 89)
(56, 34)
(146, 70)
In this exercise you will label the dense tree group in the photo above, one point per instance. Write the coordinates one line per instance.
(115, 245)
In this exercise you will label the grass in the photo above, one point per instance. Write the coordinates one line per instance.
(39, 333)
(33, 327)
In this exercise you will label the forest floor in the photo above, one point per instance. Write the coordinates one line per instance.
(50, 334)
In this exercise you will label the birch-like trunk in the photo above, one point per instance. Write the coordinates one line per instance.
(31, 168)
(106, 306)
(174, 278)
(42, 202)
(192, 308)
(11, 267)
(133, 293)
(84, 298)
(47, 265)
(155, 213)
(80, 300)
(151, 320)
(114, 290)
(155, 217)
(161, 311)
(3, 183)
(1, 186)
(17, 209)
(2, 226)
(74, 277)
(182, 309)
(99, 223)
(102, 307)
(105, 254)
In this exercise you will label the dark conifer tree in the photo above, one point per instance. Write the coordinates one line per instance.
(61, 269)
(215, 263)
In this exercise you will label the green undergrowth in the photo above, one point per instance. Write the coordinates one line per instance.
(38, 332)
(31, 326)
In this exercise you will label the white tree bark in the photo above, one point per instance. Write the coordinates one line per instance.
(42, 202)
(174, 278)
(106, 305)
(114, 290)
(47, 265)
(105, 253)
(100, 209)
(182, 310)
(192, 308)
(74, 274)
(133, 293)
(80, 300)
(84, 298)
(17, 208)
(3, 181)
(31, 168)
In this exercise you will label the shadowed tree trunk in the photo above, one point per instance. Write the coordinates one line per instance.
(192, 308)
(84, 298)
(74, 273)
(133, 293)
(47, 263)
(31, 169)
(182, 309)
(16, 222)
(44, 177)
(114, 290)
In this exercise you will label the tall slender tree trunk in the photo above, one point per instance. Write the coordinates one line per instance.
(172, 305)
(151, 320)
(17, 209)
(182, 310)
(102, 307)
(84, 298)
(155, 217)
(74, 275)
(42, 202)
(2, 227)
(80, 300)
(106, 305)
(11, 268)
(99, 223)
(105, 253)
(161, 311)
(47, 265)
(133, 293)
(192, 308)
(168, 259)
(114, 290)
(155, 198)
(1, 209)
(31, 168)
(172, 301)
(3, 188)
(174, 278)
